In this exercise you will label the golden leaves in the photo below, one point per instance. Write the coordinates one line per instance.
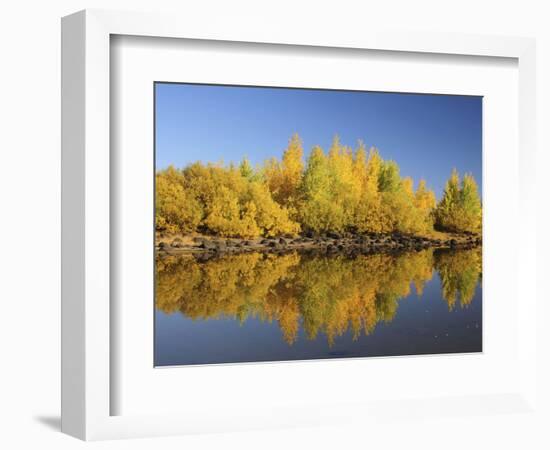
(342, 190)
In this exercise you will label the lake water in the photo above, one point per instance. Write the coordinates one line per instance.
(268, 307)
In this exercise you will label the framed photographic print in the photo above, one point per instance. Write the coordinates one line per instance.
(292, 211)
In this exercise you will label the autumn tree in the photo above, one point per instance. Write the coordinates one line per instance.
(369, 215)
(471, 205)
(345, 185)
(460, 207)
(176, 210)
(360, 165)
(364, 205)
(389, 179)
(271, 218)
(425, 203)
(397, 199)
(449, 207)
(246, 169)
(316, 209)
(283, 178)
(235, 203)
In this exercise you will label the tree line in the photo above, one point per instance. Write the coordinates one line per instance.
(343, 189)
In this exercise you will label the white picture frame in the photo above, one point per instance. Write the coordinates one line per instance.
(87, 356)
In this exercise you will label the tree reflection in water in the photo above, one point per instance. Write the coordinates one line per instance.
(324, 294)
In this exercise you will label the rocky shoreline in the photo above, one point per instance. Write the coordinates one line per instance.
(206, 247)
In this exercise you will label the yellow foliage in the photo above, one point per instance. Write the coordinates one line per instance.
(284, 178)
(339, 191)
(223, 201)
(270, 218)
(176, 210)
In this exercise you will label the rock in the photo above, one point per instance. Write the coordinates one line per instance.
(273, 244)
(208, 245)
(164, 245)
(334, 235)
(202, 257)
(177, 243)
(198, 240)
(220, 247)
(265, 241)
(283, 241)
(309, 234)
(245, 243)
(453, 242)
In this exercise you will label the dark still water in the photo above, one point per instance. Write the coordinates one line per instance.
(267, 307)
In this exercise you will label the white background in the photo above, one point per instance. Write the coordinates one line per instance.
(30, 288)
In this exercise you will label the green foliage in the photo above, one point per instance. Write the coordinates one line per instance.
(389, 179)
(460, 273)
(246, 169)
(317, 212)
(338, 191)
(330, 189)
(460, 208)
(471, 205)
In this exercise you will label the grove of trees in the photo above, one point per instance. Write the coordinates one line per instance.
(343, 189)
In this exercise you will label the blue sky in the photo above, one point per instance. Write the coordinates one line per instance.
(427, 135)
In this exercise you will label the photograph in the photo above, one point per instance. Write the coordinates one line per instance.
(310, 224)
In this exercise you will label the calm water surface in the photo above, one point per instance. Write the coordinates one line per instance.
(267, 307)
